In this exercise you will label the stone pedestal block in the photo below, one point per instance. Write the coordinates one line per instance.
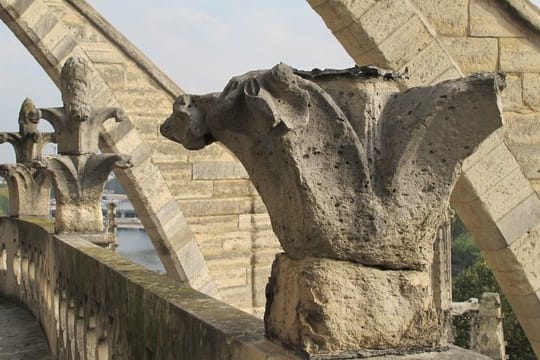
(328, 306)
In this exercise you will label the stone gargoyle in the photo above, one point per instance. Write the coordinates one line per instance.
(369, 187)
(77, 123)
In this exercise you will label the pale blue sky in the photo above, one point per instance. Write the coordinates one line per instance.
(200, 44)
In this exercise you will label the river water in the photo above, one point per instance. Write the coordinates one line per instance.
(137, 246)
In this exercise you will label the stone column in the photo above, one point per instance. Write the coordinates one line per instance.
(356, 177)
(490, 336)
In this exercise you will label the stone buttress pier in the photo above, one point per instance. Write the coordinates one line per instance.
(29, 188)
(356, 176)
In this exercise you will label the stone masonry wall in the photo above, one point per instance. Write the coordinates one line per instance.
(222, 209)
(497, 196)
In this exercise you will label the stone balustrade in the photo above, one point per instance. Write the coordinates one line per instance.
(94, 304)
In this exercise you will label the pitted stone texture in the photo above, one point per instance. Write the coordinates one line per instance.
(322, 305)
(78, 185)
(77, 124)
(339, 180)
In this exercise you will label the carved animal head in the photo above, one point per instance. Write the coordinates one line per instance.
(252, 104)
(75, 88)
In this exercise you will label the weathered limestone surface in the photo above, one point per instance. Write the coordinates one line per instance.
(29, 190)
(53, 30)
(77, 124)
(78, 184)
(321, 304)
(78, 173)
(341, 188)
(364, 190)
(495, 197)
(490, 340)
(28, 143)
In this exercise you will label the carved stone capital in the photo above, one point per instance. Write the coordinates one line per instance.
(78, 183)
(29, 190)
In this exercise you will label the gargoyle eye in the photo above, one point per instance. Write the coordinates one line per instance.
(252, 87)
(181, 102)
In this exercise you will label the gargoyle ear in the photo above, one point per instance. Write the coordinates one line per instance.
(293, 101)
(260, 104)
(252, 87)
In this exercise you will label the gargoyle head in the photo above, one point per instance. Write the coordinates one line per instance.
(250, 106)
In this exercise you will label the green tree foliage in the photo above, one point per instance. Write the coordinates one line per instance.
(4, 200)
(4, 205)
(471, 278)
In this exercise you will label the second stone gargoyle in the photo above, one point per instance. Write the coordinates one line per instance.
(369, 187)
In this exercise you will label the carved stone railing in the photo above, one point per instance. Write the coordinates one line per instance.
(94, 304)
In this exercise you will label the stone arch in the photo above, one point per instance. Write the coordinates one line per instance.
(497, 194)
(55, 30)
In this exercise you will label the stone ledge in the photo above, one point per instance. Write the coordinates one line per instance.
(157, 314)
(453, 353)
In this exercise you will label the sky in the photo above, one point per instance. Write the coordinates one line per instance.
(200, 44)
